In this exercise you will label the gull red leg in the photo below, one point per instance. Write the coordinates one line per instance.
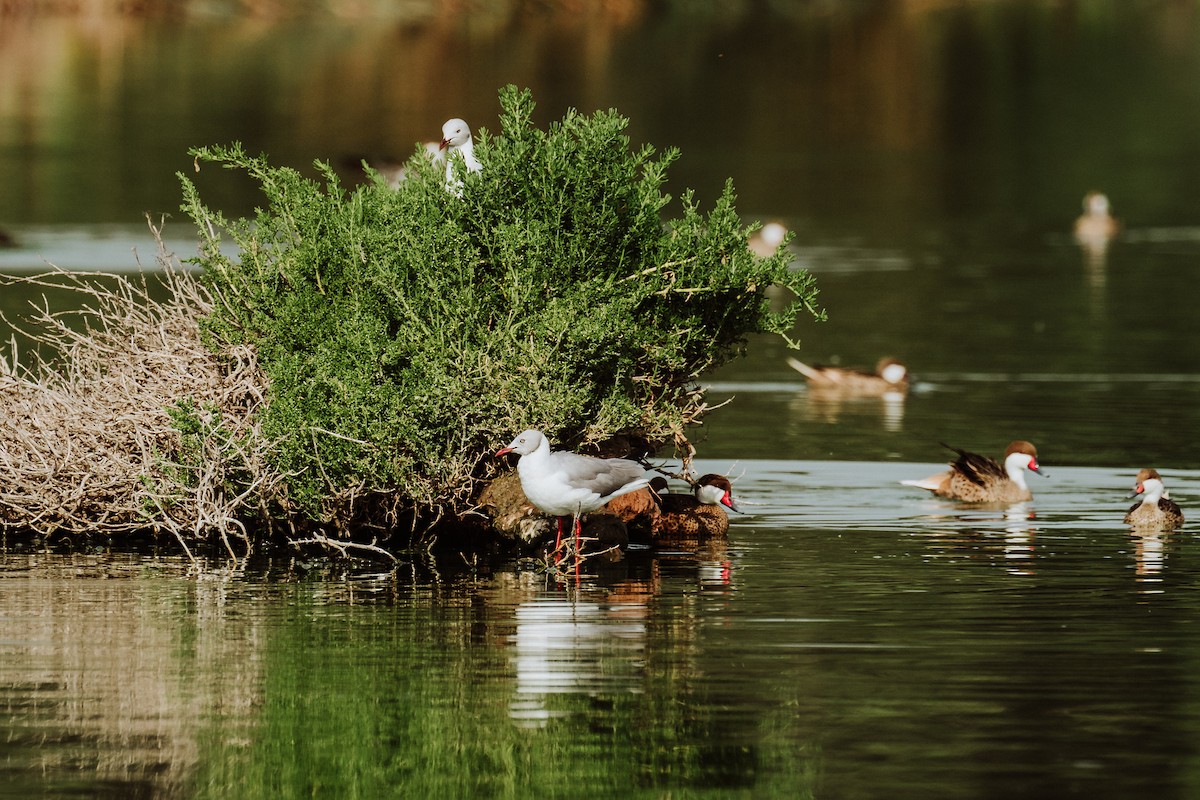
(558, 541)
(578, 538)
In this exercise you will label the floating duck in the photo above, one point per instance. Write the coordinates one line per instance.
(698, 515)
(889, 376)
(1096, 225)
(1155, 511)
(978, 479)
(766, 240)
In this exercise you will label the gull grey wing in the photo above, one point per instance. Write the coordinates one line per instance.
(600, 475)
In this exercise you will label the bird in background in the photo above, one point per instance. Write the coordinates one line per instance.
(457, 139)
(1096, 225)
(889, 376)
(1154, 511)
(766, 240)
(974, 478)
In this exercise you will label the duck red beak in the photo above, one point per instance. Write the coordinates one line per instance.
(727, 501)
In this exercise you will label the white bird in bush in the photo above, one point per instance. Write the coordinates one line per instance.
(565, 484)
(456, 138)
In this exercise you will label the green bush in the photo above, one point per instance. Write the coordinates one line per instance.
(409, 332)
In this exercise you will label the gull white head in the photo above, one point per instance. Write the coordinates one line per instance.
(455, 134)
(525, 443)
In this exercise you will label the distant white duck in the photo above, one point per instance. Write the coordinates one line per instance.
(1096, 225)
(978, 479)
(456, 138)
(565, 484)
(766, 240)
(1155, 511)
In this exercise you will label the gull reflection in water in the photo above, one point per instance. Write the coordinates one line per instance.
(564, 647)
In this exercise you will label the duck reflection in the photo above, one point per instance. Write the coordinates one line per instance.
(1149, 558)
(1005, 537)
(828, 407)
(831, 390)
(1094, 230)
(1019, 538)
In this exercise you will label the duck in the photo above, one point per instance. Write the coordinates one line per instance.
(978, 479)
(1154, 511)
(889, 377)
(766, 240)
(1096, 225)
(698, 515)
(565, 484)
(456, 138)
(639, 510)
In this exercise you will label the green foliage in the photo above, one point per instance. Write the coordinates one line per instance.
(408, 332)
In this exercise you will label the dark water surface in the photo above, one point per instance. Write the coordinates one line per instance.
(855, 638)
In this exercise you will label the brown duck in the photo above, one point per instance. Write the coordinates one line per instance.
(889, 376)
(697, 515)
(978, 479)
(1155, 511)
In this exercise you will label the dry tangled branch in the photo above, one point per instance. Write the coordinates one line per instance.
(87, 441)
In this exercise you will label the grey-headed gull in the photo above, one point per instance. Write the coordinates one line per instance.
(565, 484)
(456, 138)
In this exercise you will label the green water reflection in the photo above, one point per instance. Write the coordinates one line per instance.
(888, 644)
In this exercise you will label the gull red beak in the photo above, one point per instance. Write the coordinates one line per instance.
(445, 143)
(503, 450)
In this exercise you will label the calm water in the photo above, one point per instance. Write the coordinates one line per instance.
(855, 638)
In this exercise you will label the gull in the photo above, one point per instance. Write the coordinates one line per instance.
(456, 138)
(565, 484)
